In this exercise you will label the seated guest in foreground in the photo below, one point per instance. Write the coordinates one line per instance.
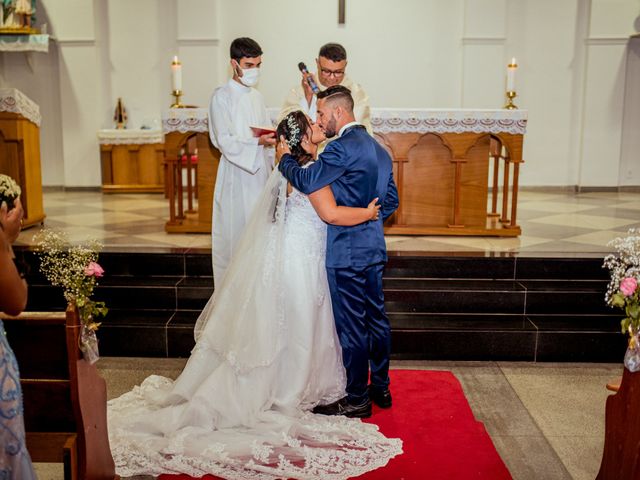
(15, 462)
(332, 66)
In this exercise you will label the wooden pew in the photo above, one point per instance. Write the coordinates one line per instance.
(621, 456)
(65, 408)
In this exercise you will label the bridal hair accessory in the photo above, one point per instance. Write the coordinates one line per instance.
(294, 131)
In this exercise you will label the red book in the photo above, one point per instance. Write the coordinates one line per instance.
(259, 131)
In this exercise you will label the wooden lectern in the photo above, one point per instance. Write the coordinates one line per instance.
(20, 150)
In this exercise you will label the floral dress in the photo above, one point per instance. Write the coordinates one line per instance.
(15, 462)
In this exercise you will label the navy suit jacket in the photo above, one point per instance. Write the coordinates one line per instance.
(358, 170)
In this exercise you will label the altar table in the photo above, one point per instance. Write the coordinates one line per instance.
(131, 160)
(441, 164)
(444, 163)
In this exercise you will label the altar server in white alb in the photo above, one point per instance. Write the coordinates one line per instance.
(246, 161)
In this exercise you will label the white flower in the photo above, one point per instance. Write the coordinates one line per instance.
(294, 131)
(9, 189)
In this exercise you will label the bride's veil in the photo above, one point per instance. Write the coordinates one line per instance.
(244, 318)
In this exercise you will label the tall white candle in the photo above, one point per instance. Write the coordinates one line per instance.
(511, 75)
(176, 74)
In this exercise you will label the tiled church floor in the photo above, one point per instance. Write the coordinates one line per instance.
(550, 221)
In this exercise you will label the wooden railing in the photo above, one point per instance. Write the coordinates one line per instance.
(190, 155)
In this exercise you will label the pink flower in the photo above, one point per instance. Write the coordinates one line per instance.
(93, 270)
(628, 286)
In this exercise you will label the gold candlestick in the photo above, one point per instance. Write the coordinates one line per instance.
(177, 94)
(510, 105)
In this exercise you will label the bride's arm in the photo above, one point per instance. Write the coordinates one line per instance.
(325, 206)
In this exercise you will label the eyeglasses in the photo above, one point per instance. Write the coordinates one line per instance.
(328, 73)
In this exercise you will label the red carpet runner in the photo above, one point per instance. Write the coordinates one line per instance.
(442, 439)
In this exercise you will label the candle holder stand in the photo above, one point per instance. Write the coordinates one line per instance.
(177, 94)
(510, 105)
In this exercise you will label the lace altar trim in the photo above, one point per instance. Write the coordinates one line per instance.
(129, 137)
(13, 100)
(449, 121)
(401, 120)
(185, 120)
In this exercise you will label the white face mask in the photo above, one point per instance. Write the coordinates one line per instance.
(250, 76)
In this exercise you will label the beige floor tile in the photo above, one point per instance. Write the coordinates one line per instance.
(178, 240)
(600, 238)
(634, 205)
(555, 206)
(577, 220)
(530, 458)
(49, 471)
(132, 205)
(580, 454)
(101, 218)
(515, 243)
(578, 396)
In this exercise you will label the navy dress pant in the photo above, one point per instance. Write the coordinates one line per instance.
(362, 326)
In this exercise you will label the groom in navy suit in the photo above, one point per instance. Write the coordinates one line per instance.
(358, 169)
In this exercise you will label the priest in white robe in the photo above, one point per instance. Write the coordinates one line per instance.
(332, 65)
(246, 161)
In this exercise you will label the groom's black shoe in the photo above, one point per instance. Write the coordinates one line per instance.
(342, 407)
(381, 397)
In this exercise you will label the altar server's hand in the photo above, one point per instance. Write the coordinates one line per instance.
(281, 148)
(267, 140)
(374, 209)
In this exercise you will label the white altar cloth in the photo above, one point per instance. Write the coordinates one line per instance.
(386, 120)
(185, 120)
(13, 100)
(113, 136)
(451, 120)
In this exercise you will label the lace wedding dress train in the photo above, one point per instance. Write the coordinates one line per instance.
(266, 352)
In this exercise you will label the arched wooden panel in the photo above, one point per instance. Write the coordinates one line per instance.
(428, 190)
(474, 183)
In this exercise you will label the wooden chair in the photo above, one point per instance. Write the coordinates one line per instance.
(621, 457)
(65, 410)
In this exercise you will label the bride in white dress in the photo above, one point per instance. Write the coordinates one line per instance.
(266, 353)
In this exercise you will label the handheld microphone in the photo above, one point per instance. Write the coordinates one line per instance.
(312, 84)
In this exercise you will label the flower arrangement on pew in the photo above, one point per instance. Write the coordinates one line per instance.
(75, 268)
(624, 292)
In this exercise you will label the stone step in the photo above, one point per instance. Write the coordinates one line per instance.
(454, 307)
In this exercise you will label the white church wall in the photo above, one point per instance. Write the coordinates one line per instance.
(199, 49)
(415, 53)
(611, 23)
(73, 24)
(546, 48)
(27, 75)
(484, 54)
(405, 54)
(630, 155)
